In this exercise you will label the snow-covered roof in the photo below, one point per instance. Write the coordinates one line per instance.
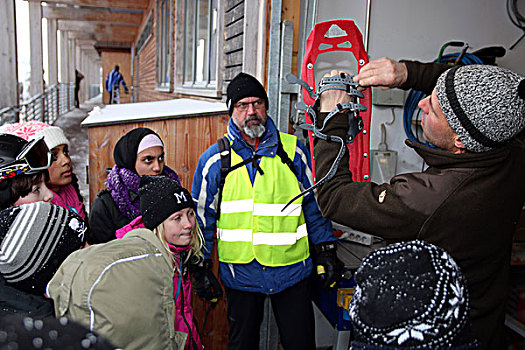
(130, 112)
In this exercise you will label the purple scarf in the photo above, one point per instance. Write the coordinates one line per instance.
(121, 181)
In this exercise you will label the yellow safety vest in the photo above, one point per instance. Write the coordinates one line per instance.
(251, 225)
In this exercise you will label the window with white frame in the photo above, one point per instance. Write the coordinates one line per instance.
(200, 44)
(163, 44)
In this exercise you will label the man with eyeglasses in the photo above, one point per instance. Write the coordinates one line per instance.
(263, 251)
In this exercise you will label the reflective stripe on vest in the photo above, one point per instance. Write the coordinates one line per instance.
(252, 225)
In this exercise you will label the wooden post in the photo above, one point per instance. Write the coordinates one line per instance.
(78, 57)
(52, 51)
(70, 69)
(8, 58)
(72, 60)
(35, 32)
(84, 95)
(64, 58)
(88, 75)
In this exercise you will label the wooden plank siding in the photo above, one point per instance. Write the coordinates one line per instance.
(233, 40)
(185, 140)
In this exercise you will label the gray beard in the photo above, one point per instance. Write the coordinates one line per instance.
(254, 131)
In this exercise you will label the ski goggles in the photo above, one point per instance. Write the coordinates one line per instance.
(33, 158)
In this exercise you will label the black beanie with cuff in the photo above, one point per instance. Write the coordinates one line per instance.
(160, 197)
(244, 85)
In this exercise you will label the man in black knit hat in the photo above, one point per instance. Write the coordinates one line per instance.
(262, 250)
(467, 201)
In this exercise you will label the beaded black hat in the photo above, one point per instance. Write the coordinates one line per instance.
(411, 295)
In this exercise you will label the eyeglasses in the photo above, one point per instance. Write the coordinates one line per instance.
(243, 106)
(33, 158)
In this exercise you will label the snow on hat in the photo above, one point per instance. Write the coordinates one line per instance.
(411, 295)
(34, 240)
(24, 332)
(160, 197)
(244, 85)
(53, 135)
(484, 105)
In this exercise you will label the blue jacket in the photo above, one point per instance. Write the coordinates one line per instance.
(253, 277)
(114, 78)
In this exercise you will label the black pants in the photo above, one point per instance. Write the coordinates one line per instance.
(77, 102)
(293, 312)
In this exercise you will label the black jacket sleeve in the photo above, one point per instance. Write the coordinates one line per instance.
(104, 218)
(423, 76)
(365, 206)
(14, 301)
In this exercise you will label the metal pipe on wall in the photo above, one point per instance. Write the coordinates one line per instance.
(367, 26)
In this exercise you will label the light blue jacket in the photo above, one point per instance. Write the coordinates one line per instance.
(253, 277)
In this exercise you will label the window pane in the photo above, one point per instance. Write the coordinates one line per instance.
(213, 42)
(189, 41)
(202, 52)
(165, 42)
(163, 72)
(200, 43)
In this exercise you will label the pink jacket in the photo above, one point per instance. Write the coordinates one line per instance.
(67, 198)
(184, 310)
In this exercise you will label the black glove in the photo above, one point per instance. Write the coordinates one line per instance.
(204, 282)
(329, 268)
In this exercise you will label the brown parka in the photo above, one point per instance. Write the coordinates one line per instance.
(467, 204)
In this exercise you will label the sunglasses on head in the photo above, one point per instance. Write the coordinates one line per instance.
(33, 158)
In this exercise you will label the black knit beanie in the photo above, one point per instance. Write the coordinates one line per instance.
(125, 152)
(411, 295)
(244, 85)
(159, 198)
(484, 105)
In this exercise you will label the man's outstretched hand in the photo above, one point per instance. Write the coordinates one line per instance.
(383, 72)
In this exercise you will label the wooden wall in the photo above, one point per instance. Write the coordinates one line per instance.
(123, 60)
(233, 39)
(185, 140)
